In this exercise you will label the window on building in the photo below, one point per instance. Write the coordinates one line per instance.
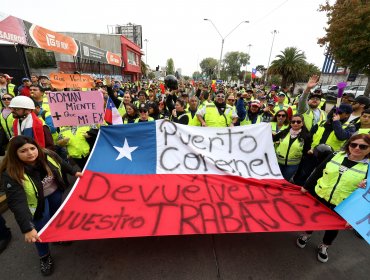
(132, 58)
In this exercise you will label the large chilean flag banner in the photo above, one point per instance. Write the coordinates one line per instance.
(161, 178)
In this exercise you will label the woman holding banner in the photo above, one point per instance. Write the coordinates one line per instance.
(280, 121)
(291, 144)
(334, 180)
(32, 179)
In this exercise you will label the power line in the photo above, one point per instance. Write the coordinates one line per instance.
(269, 13)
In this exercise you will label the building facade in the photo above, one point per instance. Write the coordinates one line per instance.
(130, 53)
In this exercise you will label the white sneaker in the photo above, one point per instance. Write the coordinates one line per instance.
(322, 254)
(302, 240)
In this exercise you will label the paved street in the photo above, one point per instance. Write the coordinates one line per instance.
(234, 256)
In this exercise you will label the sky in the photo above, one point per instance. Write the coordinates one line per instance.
(177, 29)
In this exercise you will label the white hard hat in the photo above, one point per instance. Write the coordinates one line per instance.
(23, 102)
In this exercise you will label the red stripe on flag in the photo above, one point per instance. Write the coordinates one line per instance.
(108, 116)
(112, 206)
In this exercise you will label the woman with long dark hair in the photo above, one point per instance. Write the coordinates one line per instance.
(291, 144)
(131, 113)
(280, 121)
(32, 179)
(334, 180)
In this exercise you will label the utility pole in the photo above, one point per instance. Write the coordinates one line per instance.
(272, 44)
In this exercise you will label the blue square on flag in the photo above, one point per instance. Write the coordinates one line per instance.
(119, 150)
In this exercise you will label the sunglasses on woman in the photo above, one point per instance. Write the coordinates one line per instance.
(361, 146)
(6, 98)
(297, 122)
(281, 115)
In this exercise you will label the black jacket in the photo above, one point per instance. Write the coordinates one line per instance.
(16, 196)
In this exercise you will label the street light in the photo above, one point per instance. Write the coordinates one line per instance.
(272, 44)
(146, 51)
(246, 66)
(222, 42)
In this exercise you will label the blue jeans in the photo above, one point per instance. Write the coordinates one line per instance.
(4, 230)
(52, 203)
(288, 171)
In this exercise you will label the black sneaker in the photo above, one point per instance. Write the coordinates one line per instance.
(322, 254)
(302, 240)
(46, 265)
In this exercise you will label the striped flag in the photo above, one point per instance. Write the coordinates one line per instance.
(112, 116)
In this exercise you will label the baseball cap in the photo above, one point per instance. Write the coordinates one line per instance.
(25, 80)
(349, 96)
(281, 93)
(8, 77)
(362, 100)
(256, 103)
(143, 107)
(43, 77)
(345, 108)
(312, 95)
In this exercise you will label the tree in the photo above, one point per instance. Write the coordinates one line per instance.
(151, 75)
(196, 75)
(39, 58)
(170, 67)
(348, 33)
(289, 64)
(232, 63)
(144, 68)
(261, 69)
(208, 67)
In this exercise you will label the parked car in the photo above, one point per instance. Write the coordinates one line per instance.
(356, 90)
(331, 93)
(323, 88)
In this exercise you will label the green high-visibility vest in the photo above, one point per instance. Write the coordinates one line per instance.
(335, 185)
(289, 155)
(332, 140)
(31, 190)
(213, 118)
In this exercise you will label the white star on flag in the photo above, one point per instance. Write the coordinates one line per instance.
(125, 151)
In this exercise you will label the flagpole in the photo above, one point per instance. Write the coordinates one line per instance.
(246, 66)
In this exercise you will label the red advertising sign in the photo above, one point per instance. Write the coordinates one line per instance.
(12, 30)
(114, 59)
(53, 41)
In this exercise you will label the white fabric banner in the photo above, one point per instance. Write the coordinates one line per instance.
(245, 151)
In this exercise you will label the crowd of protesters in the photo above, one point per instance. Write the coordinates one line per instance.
(301, 130)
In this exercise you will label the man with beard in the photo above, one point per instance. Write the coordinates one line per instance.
(217, 113)
(308, 105)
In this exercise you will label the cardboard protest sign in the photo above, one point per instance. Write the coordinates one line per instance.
(161, 178)
(356, 211)
(75, 108)
(60, 81)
